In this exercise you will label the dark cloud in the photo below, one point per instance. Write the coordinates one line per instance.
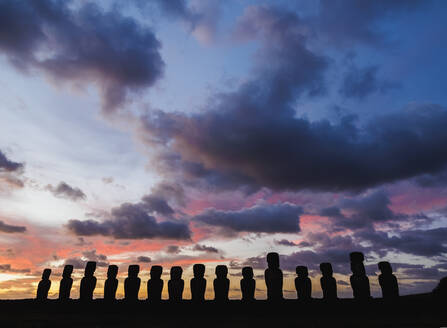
(144, 259)
(63, 190)
(285, 242)
(366, 210)
(172, 249)
(8, 165)
(430, 242)
(432, 180)
(157, 204)
(131, 221)
(348, 22)
(204, 248)
(260, 218)
(254, 137)
(80, 262)
(201, 18)
(9, 269)
(87, 44)
(359, 83)
(4, 227)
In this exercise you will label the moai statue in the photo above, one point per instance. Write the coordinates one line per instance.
(273, 278)
(359, 280)
(248, 284)
(132, 283)
(221, 284)
(66, 283)
(155, 284)
(88, 282)
(111, 283)
(440, 291)
(198, 283)
(303, 285)
(44, 285)
(388, 281)
(176, 284)
(328, 283)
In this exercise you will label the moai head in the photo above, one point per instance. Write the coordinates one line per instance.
(221, 271)
(358, 268)
(133, 271)
(68, 270)
(326, 269)
(356, 257)
(112, 271)
(90, 268)
(156, 271)
(273, 260)
(199, 270)
(385, 267)
(46, 274)
(301, 271)
(247, 272)
(176, 273)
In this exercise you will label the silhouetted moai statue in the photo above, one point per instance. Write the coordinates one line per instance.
(88, 282)
(248, 284)
(155, 284)
(132, 283)
(388, 281)
(198, 283)
(328, 283)
(66, 283)
(273, 278)
(44, 285)
(440, 292)
(303, 285)
(359, 280)
(111, 283)
(176, 284)
(221, 284)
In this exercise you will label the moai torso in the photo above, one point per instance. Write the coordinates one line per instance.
(329, 287)
(198, 288)
(303, 288)
(274, 283)
(131, 288)
(110, 287)
(360, 286)
(175, 289)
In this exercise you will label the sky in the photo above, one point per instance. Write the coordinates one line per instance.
(203, 131)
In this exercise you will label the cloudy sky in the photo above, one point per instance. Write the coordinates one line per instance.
(204, 131)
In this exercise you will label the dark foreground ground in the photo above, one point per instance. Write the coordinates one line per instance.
(410, 311)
